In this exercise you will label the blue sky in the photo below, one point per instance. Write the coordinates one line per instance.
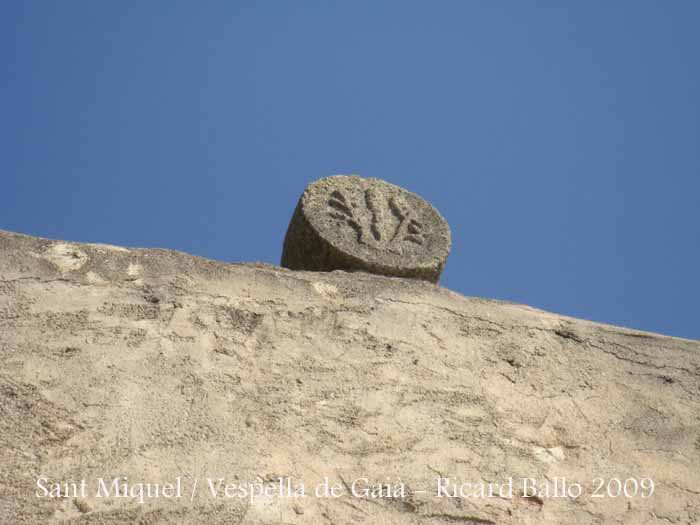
(559, 139)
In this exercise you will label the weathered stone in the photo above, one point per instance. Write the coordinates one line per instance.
(346, 222)
(256, 374)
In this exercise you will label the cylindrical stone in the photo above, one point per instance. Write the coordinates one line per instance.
(346, 222)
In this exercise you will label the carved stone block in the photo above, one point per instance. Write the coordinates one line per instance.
(351, 223)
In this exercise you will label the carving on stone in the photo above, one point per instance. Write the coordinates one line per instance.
(378, 221)
(349, 223)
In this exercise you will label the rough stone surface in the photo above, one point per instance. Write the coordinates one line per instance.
(154, 364)
(350, 223)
